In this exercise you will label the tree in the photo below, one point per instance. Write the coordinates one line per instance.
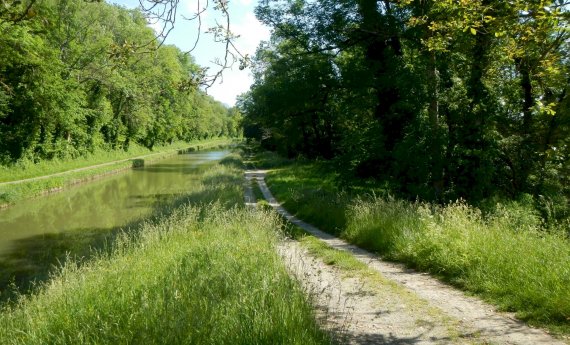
(77, 76)
(445, 99)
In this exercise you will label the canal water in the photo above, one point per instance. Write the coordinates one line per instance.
(39, 233)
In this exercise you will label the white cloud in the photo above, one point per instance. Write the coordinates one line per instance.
(235, 82)
(251, 32)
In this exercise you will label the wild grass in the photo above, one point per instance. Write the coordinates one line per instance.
(506, 256)
(265, 159)
(11, 193)
(207, 273)
(310, 191)
(334, 257)
(517, 265)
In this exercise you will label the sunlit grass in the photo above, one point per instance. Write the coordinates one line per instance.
(522, 269)
(506, 256)
(205, 273)
(11, 193)
(333, 257)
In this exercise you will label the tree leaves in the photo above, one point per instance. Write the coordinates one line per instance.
(78, 76)
(445, 98)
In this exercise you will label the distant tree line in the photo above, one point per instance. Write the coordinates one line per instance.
(77, 76)
(442, 99)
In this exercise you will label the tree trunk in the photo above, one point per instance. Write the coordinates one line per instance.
(435, 135)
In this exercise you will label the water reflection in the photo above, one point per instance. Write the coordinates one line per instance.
(37, 234)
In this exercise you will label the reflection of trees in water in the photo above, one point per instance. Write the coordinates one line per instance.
(43, 233)
(31, 260)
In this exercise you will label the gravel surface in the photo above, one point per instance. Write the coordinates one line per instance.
(417, 309)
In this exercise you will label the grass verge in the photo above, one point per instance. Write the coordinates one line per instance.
(11, 193)
(506, 256)
(391, 293)
(206, 273)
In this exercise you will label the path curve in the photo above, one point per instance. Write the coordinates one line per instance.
(474, 315)
(357, 310)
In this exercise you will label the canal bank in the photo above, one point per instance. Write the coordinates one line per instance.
(14, 191)
(205, 272)
(37, 234)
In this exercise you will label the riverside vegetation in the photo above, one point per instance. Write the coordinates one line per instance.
(24, 169)
(87, 82)
(203, 270)
(11, 193)
(433, 132)
(80, 77)
(506, 255)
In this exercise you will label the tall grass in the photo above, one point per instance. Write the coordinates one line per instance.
(309, 191)
(505, 256)
(519, 266)
(205, 274)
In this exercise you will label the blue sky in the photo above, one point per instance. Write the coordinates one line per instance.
(243, 23)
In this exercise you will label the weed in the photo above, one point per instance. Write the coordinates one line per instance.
(205, 273)
(506, 255)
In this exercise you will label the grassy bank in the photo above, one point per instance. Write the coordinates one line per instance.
(205, 272)
(120, 160)
(505, 256)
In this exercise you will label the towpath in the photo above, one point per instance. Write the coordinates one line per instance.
(400, 306)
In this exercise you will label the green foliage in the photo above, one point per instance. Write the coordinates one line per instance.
(442, 100)
(215, 279)
(268, 160)
(506, 254)
(78, 76)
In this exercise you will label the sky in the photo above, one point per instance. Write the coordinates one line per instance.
(243, 23)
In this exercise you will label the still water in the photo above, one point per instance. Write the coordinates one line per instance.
(37, 234)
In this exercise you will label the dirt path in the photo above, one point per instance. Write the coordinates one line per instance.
(417, 309)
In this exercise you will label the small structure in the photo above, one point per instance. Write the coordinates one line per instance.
(138, 163)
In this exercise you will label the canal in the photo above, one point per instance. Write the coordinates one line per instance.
(37, 234)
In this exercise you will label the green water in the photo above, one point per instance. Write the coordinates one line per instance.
(37, 234)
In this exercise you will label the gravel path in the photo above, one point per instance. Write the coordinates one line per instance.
(359, 311)
(417, 309)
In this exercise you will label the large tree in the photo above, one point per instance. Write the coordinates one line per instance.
(77, 76)
(445, 99)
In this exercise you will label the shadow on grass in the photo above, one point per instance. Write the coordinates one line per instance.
(232, 162)
(364, 338)
(31, 261)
